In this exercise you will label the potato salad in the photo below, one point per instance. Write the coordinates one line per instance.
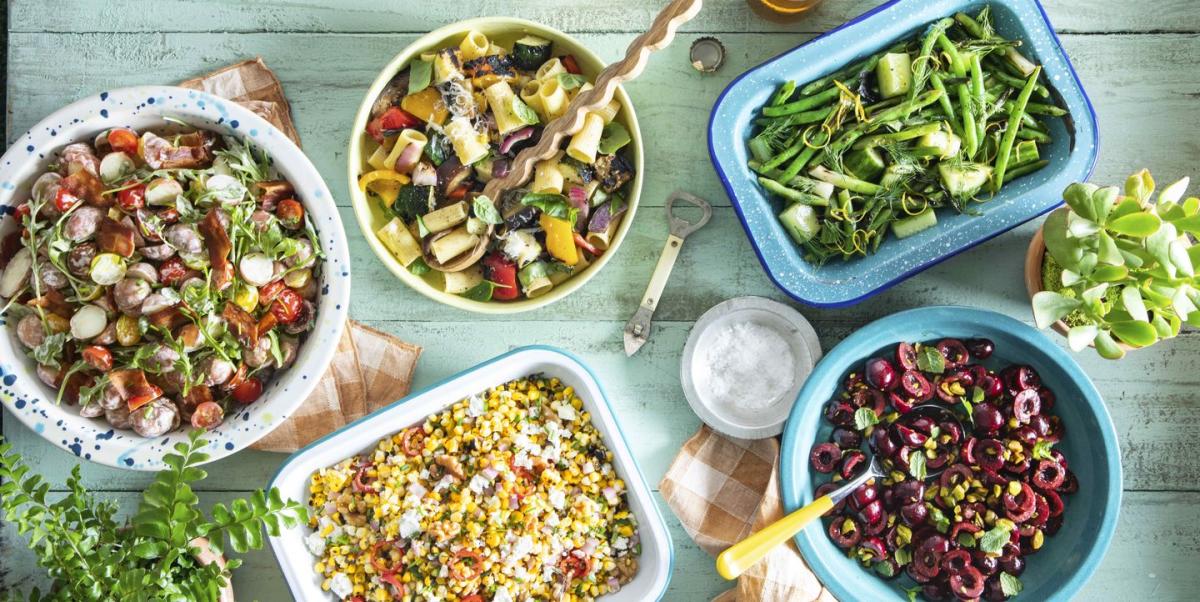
(507, 495)
(160, 277)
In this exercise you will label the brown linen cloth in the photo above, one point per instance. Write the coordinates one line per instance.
(370, 369)
(723, 489)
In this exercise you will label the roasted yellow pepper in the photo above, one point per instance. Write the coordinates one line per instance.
(383, 182)
(426, 104)
(560, 239)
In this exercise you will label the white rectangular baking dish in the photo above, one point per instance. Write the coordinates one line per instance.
(654, 570)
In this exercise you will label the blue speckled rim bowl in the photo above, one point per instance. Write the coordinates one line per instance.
(23, 395)
(838, 284)
(657, 556)
(1068, 559)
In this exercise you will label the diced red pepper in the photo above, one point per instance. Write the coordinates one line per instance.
(133, 197)
(398, 589)
(412, 441)
(391, 121)
(287, 306)
(124, 140)
(469, 565)
(568, 63)
(501, 271)
(575, 567)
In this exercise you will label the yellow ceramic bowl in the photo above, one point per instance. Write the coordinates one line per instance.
(504, 31)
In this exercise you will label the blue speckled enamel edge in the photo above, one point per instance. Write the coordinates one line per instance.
(843, 284)
(1068, 559)
(92, 439)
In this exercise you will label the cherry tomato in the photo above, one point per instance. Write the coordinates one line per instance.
(575, 567)
(64, 200)
(98, 357)
(207, 415)
(172, 271)
(412, 442)
(143, 395)
(248, 391)
(169, 216)
(291, 213)
(269, 291)
(287, 306)
(393, 120)
(503, 272)
(133, 197)
(568, 63)
(468, 565)
(124, 140)
(459, 193)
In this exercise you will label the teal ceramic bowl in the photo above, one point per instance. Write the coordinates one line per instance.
(1067, 560)
(837, 284)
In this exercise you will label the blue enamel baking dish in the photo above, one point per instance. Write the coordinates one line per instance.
(1060, 569)
(838, 284)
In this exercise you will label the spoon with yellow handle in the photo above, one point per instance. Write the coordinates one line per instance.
(740, 556)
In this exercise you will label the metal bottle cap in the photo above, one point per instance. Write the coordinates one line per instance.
(707, 54)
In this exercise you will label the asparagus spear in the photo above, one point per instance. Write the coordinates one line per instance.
(1010, 134)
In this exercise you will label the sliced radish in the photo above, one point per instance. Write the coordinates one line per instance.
(163, 191)
(88, 322)
(17, 273)
(225, 189)
(115, 166)
(107, 269)
(257, 269)
(46, 186)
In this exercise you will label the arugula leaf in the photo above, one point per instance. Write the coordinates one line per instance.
(50, 350)
(865, 417)
(486, 210)
(420, 73)
(994, 539)
(570, 81)
(276, 352)
(1010, 585)
(929, 359)
(916, 464)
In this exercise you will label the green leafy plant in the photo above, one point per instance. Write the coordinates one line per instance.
(90, 555)
(1120, 266)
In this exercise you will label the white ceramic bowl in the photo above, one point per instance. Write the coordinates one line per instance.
(745, 423)
(505, 31)
(654, 565)
(146, 107)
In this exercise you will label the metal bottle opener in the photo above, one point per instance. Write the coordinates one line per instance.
(637, 330)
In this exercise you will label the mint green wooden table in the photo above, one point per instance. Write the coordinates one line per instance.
(1137, 60)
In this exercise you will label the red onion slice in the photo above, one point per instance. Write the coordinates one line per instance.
(408, 158)
(500, 168)
(512, 139)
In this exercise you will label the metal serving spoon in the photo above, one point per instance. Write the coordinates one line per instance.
(740, 556)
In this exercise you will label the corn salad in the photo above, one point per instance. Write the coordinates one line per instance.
(507, 495)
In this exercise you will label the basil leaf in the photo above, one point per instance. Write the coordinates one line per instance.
(570, 81)
(614, 138)
(865, 417)
(419, 267)
(523, 112)
(929, 359)
(916, 463)
(422, 230)
(482, 291)
(1010, 585)
(420, 73)
(994, 539)
(486, 211)
(554, 205)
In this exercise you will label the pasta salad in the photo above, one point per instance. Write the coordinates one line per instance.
(454, 119)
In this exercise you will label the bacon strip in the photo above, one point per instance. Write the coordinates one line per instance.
(85, 185)
(193, 151)
(219, 247)
(243, 324)
(115, 237)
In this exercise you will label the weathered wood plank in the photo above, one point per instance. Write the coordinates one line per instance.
(568, 15)
(672, 100)
(1153, 554)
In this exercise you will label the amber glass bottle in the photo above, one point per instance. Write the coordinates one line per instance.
(782, 10)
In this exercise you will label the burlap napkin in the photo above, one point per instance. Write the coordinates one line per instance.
(723, 489)
(370, 369)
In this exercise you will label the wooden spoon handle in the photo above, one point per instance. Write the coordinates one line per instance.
(660, 34)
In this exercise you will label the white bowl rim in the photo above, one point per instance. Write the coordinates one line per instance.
(360, 203)
(111, 108)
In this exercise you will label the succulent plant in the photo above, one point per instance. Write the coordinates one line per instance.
(1127, 265)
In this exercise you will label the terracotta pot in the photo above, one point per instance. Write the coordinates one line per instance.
(208, 556)
(1034, 260)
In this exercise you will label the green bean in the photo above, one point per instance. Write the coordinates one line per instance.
(981, 118)
(1034, 135)
(899, 111)
(1017, 83)
(956, 61)
(905, 134)
(947, 106)
(804, 104)
(783, 93)
(1024, 170)
(795, 119)
(799, 163)
(792, 196)
(1038, 108)
(760, 148)
(971, 25)
(886, 103)
(1014, 125)
(1025, 152)
(852, 71)
(970, 135)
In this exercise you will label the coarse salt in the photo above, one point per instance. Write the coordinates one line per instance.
(746, 366)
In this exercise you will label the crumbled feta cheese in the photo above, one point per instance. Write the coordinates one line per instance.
(501, 595)
(522, 460)
(417, 491)
(476, 407)
(558, 499)
(341, 586)
(521, 549)
(410, 523)
(479, 483)
(621, 543)
(445, 482)
(315, 544)
(566, 412)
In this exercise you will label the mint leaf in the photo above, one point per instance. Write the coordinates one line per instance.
(865, 417)
(1010, 585)
(49, 351)
(929, 359)
(966, 540)
(993, 540)
(486, 210)
(970, 410)
(939, 520)
(916, 463)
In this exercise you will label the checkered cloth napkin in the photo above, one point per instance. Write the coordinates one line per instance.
(723, 489)
(370, 369)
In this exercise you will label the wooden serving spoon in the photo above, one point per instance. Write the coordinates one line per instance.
(659, 36)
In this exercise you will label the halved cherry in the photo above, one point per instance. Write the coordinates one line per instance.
(916, 385)
(906, 356)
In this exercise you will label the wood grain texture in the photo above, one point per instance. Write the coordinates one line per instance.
(1137, 63)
